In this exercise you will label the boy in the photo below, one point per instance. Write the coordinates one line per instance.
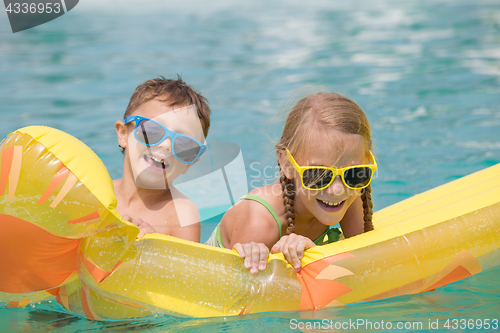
(162, 135)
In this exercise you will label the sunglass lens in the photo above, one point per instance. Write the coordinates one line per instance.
(149, 132)
(358, 177)
(186, 149)
(317, 178)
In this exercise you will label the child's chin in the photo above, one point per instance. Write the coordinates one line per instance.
(328, 218)
(151, 180)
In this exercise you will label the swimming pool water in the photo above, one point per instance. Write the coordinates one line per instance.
(473, 299)
(426, 73)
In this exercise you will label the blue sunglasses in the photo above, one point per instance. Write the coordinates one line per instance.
(150, 133)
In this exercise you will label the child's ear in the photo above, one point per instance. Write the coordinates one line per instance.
(121, 132)
(286, 167)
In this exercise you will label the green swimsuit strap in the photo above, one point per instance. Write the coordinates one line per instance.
(265, 204)
(332, 233)
(320, 238)
(218, 236)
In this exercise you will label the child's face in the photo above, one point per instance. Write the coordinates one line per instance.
(330, 204)
(155, 167)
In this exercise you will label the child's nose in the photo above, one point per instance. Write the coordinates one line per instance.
(166, 144)
(337, 187)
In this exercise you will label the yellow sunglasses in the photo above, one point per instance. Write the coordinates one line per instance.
(320, 177)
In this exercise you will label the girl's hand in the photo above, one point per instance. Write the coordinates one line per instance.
(293, 247)
(255, 255)
(144, 226)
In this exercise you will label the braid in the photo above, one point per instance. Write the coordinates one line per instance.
(367, 208)
(288, 188)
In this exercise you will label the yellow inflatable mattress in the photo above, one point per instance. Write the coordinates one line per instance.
(61, 237)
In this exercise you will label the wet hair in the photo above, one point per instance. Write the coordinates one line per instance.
(322, 113)
(173, 93)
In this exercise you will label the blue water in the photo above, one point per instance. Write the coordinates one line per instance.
(426, 72)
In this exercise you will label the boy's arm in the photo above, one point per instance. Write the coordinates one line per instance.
(189, 220)
(144, 227)
(190, 232)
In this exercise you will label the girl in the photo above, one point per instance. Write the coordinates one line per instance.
(324, 156)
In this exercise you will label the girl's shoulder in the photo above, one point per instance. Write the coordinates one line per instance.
(259, 202)
(266, 200)
(258, 212)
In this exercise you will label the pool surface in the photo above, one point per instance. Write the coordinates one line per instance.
(426, 73)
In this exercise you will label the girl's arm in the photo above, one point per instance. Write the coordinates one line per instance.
(293, 247)
(250, 229)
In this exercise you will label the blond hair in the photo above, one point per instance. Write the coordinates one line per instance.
(322, 112)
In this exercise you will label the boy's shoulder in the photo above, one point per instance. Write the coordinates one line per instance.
(185, 209)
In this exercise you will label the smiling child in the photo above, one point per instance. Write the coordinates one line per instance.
(162, 136)
(326, 166)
